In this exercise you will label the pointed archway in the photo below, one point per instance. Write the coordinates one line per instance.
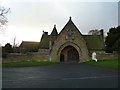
(69, 54)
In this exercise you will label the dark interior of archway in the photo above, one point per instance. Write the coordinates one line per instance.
(73, 55)
(69, 54)
(61, 58)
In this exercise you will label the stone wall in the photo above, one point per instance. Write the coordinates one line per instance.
(25, 57)
(108, 56)
(45, 57)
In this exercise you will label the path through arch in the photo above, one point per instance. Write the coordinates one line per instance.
(69, 54)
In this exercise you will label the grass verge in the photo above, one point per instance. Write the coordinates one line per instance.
(112, 64)
(27, 64)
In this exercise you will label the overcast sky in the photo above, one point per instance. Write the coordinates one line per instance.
(27, 19)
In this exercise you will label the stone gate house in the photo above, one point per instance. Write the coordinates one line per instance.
(67, 46)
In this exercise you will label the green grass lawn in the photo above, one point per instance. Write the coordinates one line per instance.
(26, 64)
(113, 64)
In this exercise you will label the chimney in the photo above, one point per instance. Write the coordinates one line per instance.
(102, 32)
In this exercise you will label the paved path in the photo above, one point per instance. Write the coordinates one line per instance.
(60, 76)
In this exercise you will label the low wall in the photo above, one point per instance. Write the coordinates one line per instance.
(45, 57)
(25, 57)
(108, 56)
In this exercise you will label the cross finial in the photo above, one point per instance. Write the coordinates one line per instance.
(55, 25)
(70, 18)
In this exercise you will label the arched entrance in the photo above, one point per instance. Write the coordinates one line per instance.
(69, 54)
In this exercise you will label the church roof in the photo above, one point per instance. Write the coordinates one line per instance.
(29, 45)
(54, 31)
(94, 42)
(70, 25)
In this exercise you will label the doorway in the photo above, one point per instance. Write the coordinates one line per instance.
(69, 54)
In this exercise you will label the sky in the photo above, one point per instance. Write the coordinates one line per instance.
(28, 18)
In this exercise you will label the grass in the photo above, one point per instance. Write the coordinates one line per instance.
(112, 64)
(26, 64)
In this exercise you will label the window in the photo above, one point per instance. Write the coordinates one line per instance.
(70, 35)
(67, 37)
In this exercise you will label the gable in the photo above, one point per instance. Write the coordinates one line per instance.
(70, 33)
(70, 26)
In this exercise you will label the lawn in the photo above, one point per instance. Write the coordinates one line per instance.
(113, 64)
(26, 64)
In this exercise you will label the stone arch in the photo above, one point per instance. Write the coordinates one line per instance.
(69, 54)
(67, 47)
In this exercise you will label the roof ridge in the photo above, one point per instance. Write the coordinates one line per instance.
(30, 41)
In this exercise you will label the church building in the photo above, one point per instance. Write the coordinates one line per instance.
(70, 45)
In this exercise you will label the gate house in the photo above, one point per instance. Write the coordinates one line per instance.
(67, 46)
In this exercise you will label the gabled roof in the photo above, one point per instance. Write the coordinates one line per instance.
(94, 42)
(29, 45)
(54, 31)
(70, 25)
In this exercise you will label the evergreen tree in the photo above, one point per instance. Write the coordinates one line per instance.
(113, 40)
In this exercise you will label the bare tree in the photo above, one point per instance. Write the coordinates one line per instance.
(3, 16)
